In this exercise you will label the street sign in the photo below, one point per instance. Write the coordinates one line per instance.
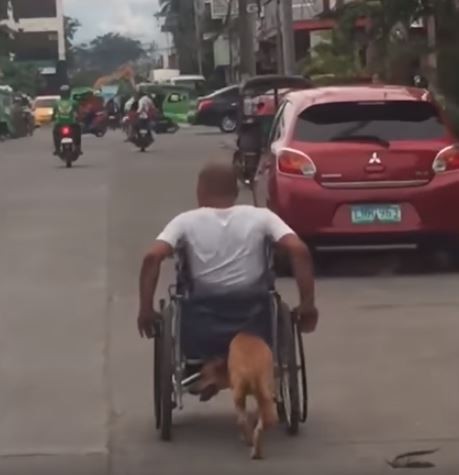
(219, 9)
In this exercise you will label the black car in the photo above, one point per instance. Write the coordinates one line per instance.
(219, 109)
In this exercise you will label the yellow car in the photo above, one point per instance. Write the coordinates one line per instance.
(43, 109)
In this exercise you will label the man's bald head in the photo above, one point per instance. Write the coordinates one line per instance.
(217, 185)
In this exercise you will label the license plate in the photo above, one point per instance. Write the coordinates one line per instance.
(143, 132)
(67, 141)
(371, 214)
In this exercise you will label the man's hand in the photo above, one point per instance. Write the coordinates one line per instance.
(146, 323)
(149, 275)
(307, 316)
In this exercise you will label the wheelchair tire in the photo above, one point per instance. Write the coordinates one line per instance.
(157, 377)
(289, 406)
(301, 364)
(166, 385)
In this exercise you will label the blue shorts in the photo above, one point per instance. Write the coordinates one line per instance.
(208, 324)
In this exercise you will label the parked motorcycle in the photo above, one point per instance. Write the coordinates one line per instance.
(68, 151)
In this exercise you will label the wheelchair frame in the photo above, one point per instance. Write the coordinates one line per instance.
(170, 385)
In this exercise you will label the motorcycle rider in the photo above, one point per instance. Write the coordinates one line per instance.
(65, 114)
(142, 106)
(127, 120)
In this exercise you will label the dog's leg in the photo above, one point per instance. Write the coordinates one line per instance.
(243, 420)
(256, 437)
(267, 414)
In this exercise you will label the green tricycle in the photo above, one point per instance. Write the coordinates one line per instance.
(13, 121)
(174, 102)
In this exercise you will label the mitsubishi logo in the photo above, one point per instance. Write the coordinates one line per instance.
(375, 160)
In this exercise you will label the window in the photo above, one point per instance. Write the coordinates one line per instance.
(35, 9)
(388, 121)
(228, 92)
(174, 98)
(45, 103)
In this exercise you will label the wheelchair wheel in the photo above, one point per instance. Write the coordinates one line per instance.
(301, 365)
(289, 405)
(157, 376)
(166, 371)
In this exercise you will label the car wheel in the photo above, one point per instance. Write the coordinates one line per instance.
(228, 124)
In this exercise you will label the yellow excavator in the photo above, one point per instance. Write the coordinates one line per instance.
(124, 72)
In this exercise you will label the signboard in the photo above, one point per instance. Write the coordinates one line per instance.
(219, 9)
(222, 51)
(47, 71)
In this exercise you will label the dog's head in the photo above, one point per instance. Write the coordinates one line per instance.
(214, 374)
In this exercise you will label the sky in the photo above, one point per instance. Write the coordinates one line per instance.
(133, 18)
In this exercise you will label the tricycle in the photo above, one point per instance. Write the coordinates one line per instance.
(91, 111)
(260, 98)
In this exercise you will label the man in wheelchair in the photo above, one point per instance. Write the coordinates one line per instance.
(226, 254)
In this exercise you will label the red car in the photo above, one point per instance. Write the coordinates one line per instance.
(363, 165)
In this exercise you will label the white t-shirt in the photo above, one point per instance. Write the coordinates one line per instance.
(225, 247)
(145, 105)
(128, 105)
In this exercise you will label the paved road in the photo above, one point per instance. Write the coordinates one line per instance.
(75, 394)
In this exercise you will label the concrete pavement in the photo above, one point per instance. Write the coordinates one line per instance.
(75, 394)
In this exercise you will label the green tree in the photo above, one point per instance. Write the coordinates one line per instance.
(71, 27)
(113, 50)
(447, 20)
(20, 77)
(387, 30)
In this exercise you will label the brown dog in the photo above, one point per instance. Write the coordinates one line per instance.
(248, 372)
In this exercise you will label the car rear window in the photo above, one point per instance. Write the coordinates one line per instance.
(229, 91)
(45, 103)
(389, 121)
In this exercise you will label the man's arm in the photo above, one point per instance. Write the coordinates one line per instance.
(302, 266)
(300, 257)
(149, 276)
(162, 248)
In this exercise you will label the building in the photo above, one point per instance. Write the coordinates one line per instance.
(310, 27)
(8, 26)
(40, 39)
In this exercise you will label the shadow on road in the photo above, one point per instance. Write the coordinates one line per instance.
(389, 264)
(75, 166)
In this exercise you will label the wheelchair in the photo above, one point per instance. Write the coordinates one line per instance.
(174, 373)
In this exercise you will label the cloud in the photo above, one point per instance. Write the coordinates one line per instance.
(132, 18)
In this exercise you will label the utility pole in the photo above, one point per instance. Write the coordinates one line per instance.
(197, 26)
(432, 43)
(288, 36)
(279, 42)
(246, 42)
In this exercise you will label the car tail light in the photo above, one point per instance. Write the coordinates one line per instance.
(204, 104)
(65, 130)
(294, 162)
(447, 160)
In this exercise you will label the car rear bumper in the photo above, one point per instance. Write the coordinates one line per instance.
(323, 215)
(43, 120)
